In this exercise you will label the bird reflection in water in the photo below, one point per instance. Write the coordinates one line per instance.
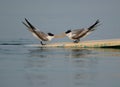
(36, 63)
(80, 68)
(85, 67)
(78, 53)
(39, 52)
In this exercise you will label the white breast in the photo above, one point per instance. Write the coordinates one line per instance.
(70, 35)
(50, 37)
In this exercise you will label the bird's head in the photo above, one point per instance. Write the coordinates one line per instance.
(68, 31)
(50, 34)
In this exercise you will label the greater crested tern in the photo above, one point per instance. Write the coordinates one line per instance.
(77, 34)
(37, 33)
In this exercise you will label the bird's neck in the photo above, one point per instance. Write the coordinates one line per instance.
(50, 37)
(69, 35)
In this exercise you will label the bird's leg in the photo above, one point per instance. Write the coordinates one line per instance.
(42, 43)
(76, 41)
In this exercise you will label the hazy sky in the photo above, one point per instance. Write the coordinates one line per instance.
(58, 16)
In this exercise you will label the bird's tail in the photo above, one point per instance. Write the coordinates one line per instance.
(92, 27)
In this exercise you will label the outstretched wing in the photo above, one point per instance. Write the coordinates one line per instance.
(41, 35)
(92, 27)
(79, 33)
(38, 34)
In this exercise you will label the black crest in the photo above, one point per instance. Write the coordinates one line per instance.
(68, 31)
(50, 34)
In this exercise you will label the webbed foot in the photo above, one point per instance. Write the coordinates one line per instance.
(42, 43)
(76, 41)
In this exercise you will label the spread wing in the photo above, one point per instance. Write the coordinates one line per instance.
(38, 34)
(78, 33)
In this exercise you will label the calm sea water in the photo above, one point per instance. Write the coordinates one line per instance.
(26, 66)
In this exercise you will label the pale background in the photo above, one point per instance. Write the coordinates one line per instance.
(59, 15)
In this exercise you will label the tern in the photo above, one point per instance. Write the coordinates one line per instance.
(37, 33)
(77, 34)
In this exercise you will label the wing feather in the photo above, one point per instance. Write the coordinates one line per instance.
(78, 33)
(39, 34)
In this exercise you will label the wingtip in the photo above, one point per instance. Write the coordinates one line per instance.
(97, 21)
(94, 25)
(26, 20)
(25, 24)
(29, 24)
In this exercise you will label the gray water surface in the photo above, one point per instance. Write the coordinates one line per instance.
(24, 66)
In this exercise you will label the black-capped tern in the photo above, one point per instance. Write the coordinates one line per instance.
(77, 34)
(37, 33)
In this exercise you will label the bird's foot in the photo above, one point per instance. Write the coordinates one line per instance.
(76, 41)
(42, 43)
